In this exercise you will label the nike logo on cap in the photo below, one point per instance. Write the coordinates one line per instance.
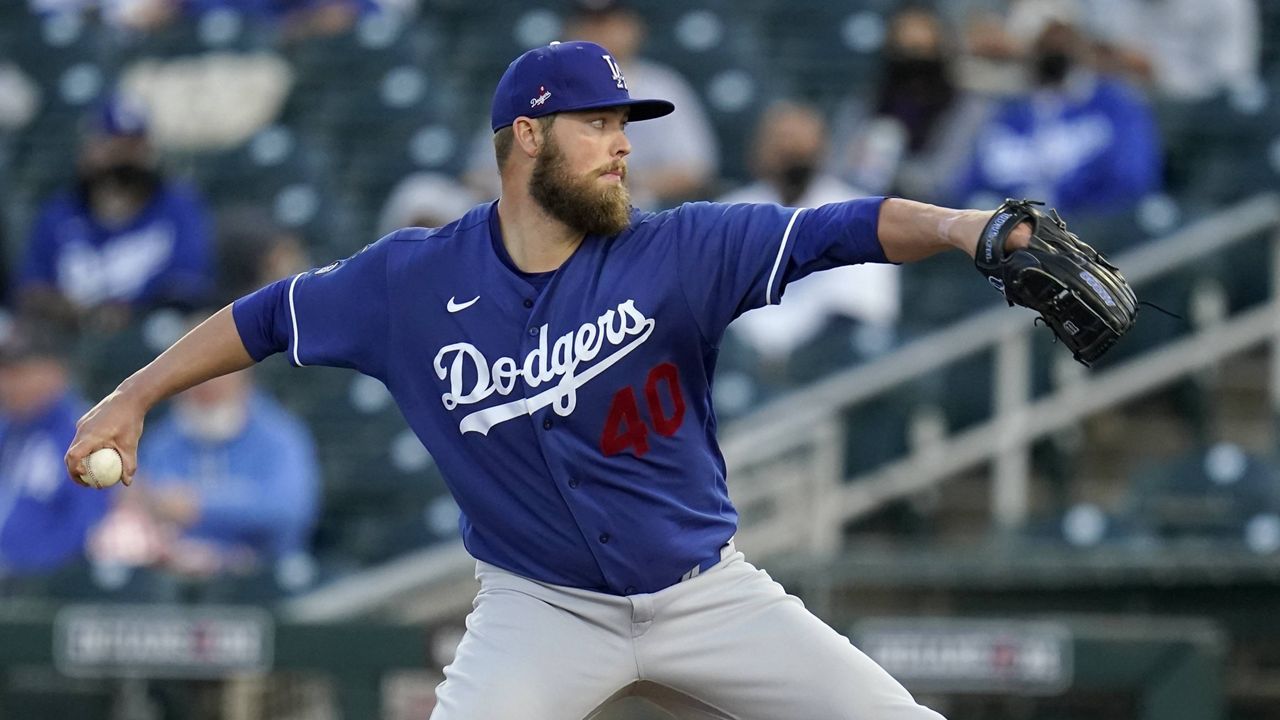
(454, 306)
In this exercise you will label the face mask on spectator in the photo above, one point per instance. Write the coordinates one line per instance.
(915, 91)
(123, 177)
(915, 74)
(116, 191)
(1052, 67)
(794, 178)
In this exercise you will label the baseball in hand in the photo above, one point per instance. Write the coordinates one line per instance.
(103, 468)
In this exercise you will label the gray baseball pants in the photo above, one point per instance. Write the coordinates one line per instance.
(728, 644)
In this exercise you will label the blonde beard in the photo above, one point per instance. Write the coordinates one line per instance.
(576, 201)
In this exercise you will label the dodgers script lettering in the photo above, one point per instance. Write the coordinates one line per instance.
(616, 331)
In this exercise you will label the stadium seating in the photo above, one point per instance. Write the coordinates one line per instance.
(1219, 492)
(721, 48)
(397, 95)
(826, 49)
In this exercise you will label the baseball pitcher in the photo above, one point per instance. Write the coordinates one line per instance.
(554, 350)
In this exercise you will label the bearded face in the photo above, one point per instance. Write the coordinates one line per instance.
(580, 201)
(117, 177)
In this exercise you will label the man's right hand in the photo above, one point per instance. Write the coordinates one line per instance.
(116, 422)
(213, 348)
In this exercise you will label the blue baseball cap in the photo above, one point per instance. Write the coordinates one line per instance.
(567, 76)
(120, 116)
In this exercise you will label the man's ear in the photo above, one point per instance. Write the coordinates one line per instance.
(528, 136)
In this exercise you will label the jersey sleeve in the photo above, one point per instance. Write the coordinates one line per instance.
(334, 316)
(735, 258)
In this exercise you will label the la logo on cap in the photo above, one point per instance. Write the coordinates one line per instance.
(617, 72)
(564, 77)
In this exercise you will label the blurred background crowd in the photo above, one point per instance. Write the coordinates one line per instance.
(159, 158)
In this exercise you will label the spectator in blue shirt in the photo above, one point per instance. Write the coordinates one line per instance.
(43, 518)
(123, 239)
(1082, 142)
(236, 475)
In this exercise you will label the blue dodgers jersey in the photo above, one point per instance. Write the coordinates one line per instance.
(573, 424)
(165, 254)
(44, 518)
(1105, 147)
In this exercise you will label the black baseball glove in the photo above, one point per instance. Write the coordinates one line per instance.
(1078, 293)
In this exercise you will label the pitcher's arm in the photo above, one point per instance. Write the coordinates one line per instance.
(212, 349)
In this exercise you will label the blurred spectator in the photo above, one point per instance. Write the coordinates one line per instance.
(123, 239)
(235, 476)
(44, 517)
(425, 200)
(862, 300)
(914, 133)
(1188, 50)
(989, 60)
(1080, 141)
(673, 158)
(253, 251)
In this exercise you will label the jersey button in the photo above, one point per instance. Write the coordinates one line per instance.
(630, 590)
(533, 332)
(528, 303)
(604, 537)
(546, 424)
(573, 482)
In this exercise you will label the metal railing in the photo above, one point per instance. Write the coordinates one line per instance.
(786, 460)
(802, 503)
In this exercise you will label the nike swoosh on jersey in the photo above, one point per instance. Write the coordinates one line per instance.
(454, 306)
